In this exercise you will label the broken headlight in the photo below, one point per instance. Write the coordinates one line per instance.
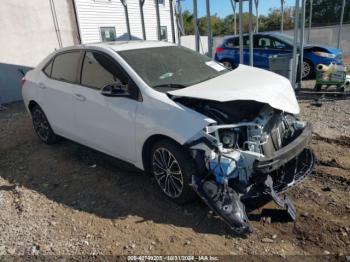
(228, 138)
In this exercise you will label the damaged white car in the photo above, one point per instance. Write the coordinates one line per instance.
(227, 136)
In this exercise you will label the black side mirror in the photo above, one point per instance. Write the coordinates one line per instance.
(116, 89)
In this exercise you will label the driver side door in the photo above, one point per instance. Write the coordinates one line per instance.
(106, 123)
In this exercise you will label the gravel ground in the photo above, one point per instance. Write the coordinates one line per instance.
(67, 199)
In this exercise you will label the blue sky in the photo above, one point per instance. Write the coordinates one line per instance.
(223, 7)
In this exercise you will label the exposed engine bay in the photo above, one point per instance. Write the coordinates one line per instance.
(253, 150)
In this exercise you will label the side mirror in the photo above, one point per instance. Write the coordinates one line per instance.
(116, 89)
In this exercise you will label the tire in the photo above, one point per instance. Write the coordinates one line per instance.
(42, 126)
(228, 64)
(173, 167)
(309, 71)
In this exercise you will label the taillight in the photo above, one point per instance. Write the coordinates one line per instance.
(23, 80)
(219, 49)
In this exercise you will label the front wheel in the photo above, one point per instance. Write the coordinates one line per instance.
(308, 70)
(173, 168)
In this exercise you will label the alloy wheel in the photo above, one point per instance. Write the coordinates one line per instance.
(41, 125)
(167, 172)
(306, 69)
(227, 64)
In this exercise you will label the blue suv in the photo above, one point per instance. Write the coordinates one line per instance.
(269, 44)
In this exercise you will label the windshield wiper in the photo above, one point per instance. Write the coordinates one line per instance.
(170, 86)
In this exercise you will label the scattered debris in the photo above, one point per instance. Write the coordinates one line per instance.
(326, 189)
(267, 240)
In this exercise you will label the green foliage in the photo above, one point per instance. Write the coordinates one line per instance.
(325, 12)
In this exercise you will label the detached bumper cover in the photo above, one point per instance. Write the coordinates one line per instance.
(284, 155)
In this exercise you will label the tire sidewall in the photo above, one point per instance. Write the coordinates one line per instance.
(52, 138)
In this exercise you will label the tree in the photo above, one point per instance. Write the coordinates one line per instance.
(325, 12)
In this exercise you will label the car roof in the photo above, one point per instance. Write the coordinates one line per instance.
(122, 45)
(245, 34)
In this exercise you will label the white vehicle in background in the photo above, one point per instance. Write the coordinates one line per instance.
(227, 135)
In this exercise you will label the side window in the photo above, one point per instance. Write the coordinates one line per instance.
(47, 70)
(108, 34)
(163, 33)
(99, 70)
(264, 42)
(232, 42)
(65, 66)
(279, 45)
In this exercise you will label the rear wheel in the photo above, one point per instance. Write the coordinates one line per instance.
(42, 126)
(227, 64)
(173, 168)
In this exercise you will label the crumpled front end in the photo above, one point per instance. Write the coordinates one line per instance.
(264, 152)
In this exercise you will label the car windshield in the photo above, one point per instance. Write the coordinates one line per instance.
(285, 38)
(171, 67)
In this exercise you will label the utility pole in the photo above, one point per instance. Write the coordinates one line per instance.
(233, 4)
(141, 3)
(295, 43)
(196, 32)
(158, 19)
(172, 20)
(210, 48)
(126, 17)
(251, 33)
(310, 22)
(241, 32)
(341, 23)
(302, 40)
(282, 15)
(257, 14)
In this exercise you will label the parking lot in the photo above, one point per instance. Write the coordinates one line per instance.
(69, 199)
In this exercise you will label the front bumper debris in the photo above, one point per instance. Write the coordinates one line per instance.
(279, 158)
(226, 202)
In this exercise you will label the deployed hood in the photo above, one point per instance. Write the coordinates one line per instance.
(246, 83)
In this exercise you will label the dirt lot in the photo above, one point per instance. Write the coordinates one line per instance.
(68, 199)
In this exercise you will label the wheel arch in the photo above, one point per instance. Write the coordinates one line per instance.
(147, 147)
(31, 105)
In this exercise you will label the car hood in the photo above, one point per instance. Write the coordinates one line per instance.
(246, 83)
(331, 50)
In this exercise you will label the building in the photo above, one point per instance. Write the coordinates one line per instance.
(30, 30)
(104, 20)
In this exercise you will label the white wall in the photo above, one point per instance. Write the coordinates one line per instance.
(93, 14)
(28, 35)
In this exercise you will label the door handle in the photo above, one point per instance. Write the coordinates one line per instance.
(80, 97)
(42, 85)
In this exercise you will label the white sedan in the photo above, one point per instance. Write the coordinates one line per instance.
(227, 135)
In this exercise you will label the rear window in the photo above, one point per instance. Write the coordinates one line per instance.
(65, 66)
(47, 70)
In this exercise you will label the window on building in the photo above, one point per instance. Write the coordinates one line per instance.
(163, 33)
(99, 71)
(108, 34)
(65, 66)
(161, 2)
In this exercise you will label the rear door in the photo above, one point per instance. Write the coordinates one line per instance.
(56, 89)
(266, 46)
(105, 123)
